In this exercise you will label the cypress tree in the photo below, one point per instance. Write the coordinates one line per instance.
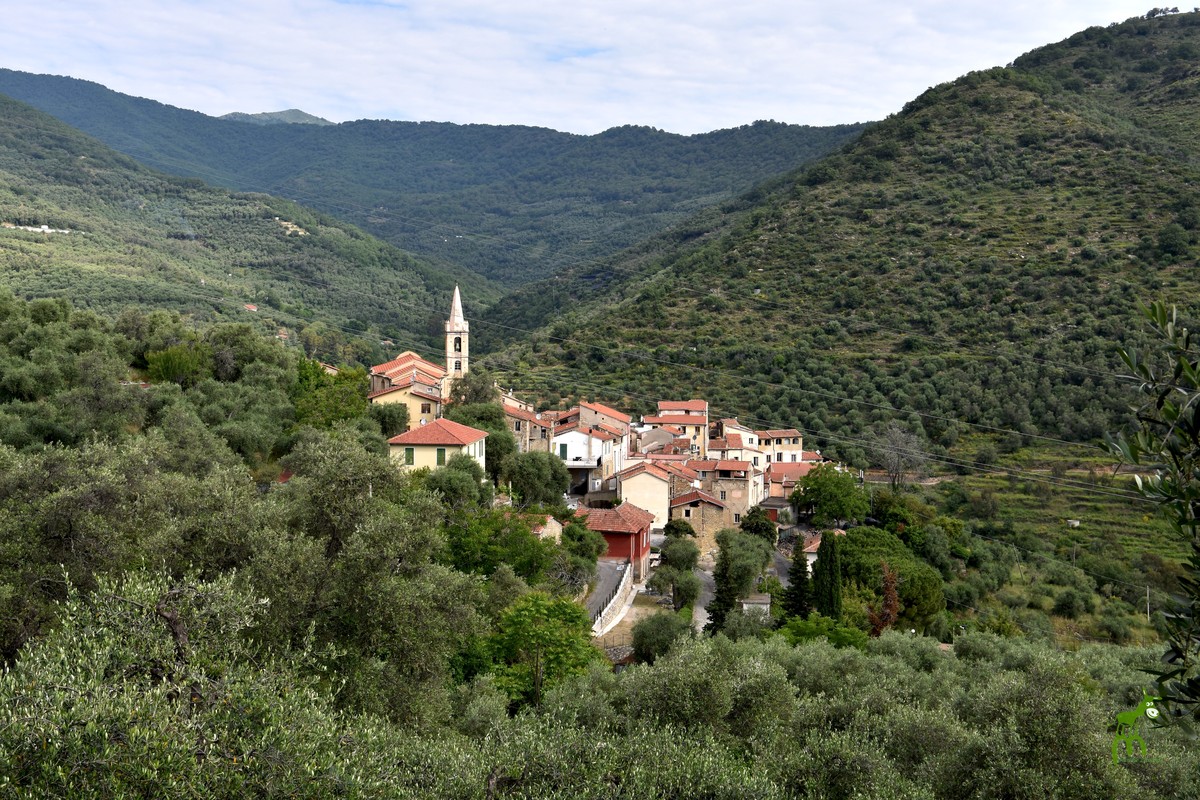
(798, 598)
(827, 578)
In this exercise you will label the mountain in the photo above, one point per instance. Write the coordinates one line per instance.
(968, 264)
(81, 221)
(292, 116)
(512, 203)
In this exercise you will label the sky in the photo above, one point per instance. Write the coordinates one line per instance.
(580, 66)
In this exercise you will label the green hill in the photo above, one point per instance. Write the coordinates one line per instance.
(510, 202)
(118, 235)
(970, 261)
(292, 116)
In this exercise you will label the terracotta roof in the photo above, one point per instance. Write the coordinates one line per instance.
(683, 405)
(732, 441)
(625, 518)
(696, 496)
(440, 431)
(702, 465)
(672, 457)
(657, 471)
(595, 433)
(418, 387)
(811, 455)
(673, 419)
(783, 471)
(520, 413)
(408, 360)
(812, 543)
(784, 433)
(603, 409)
(733, 466)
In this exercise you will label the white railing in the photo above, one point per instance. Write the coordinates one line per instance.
(616, 603)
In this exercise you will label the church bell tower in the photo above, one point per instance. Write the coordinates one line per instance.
(457, 347)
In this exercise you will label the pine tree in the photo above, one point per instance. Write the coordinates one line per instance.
(798, 599)
(827, 578)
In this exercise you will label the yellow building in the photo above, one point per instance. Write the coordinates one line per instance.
(434, 444)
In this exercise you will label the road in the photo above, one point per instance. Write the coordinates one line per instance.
(608, 576)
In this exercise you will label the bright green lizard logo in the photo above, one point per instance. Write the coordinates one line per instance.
(1127, 722)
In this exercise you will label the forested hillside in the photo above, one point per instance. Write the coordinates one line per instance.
(122, 235)
(181, 617)
(965, 265)
(512, 203)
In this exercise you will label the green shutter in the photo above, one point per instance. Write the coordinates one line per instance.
(441, 456)
(410, 457)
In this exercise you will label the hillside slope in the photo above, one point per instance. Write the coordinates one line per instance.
(120, 235)
(510, 202)
(971, 261)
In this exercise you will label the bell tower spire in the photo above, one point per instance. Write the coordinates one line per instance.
(457, 348)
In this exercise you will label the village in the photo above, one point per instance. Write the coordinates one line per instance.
(629, 477)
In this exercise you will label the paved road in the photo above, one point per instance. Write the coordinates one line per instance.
(783, 565)
(608, 577)
(700, 608)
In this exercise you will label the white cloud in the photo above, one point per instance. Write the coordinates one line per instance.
(582, 66)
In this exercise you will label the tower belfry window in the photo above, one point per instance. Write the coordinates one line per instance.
(458, 344)
(457, 366)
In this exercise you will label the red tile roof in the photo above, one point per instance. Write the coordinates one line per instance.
(784, 433)
(700, 406)
(696, 496)
(785, 472)
(603, 409)
(440, 431)
(536, 419)
(637, 469)
(733, 466)
(673, 419)
(625, 518)
(418, 387)
(408, 361)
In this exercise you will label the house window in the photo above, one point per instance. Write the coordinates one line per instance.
(458, 344)
(722, 494)
(543, 433)
(793, 456)
(426, 408)
(768, 458)
(756, 461)
(562, 451)
(410, 456)
(517, 425)
(737, 518)
(441, 456)
(687, 513)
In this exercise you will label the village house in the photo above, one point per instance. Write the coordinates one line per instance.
(736, 484)
(531, 430)
(689, 416)
(413, 381)
(419, 384)
(705, 513)
(626, 529)
(782, 445)
(590, 453)
(433, 444)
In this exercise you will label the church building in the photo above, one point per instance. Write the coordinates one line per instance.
(423, 386)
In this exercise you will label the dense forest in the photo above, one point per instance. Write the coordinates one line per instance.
(215, 583)
(964, 266)
(512, 203)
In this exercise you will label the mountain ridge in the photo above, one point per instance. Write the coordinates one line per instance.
(512, 202)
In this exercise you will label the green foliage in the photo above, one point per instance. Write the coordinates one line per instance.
(537, 478)
(865, 549)
(827, 578)
(1168, 441)
(755, 522)
(678, 527)
(654, 635)
(798, 597)
(540, 641)
(598, 194)
(741, 559)
(817, 626)
(477, 387)
(832, 495)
